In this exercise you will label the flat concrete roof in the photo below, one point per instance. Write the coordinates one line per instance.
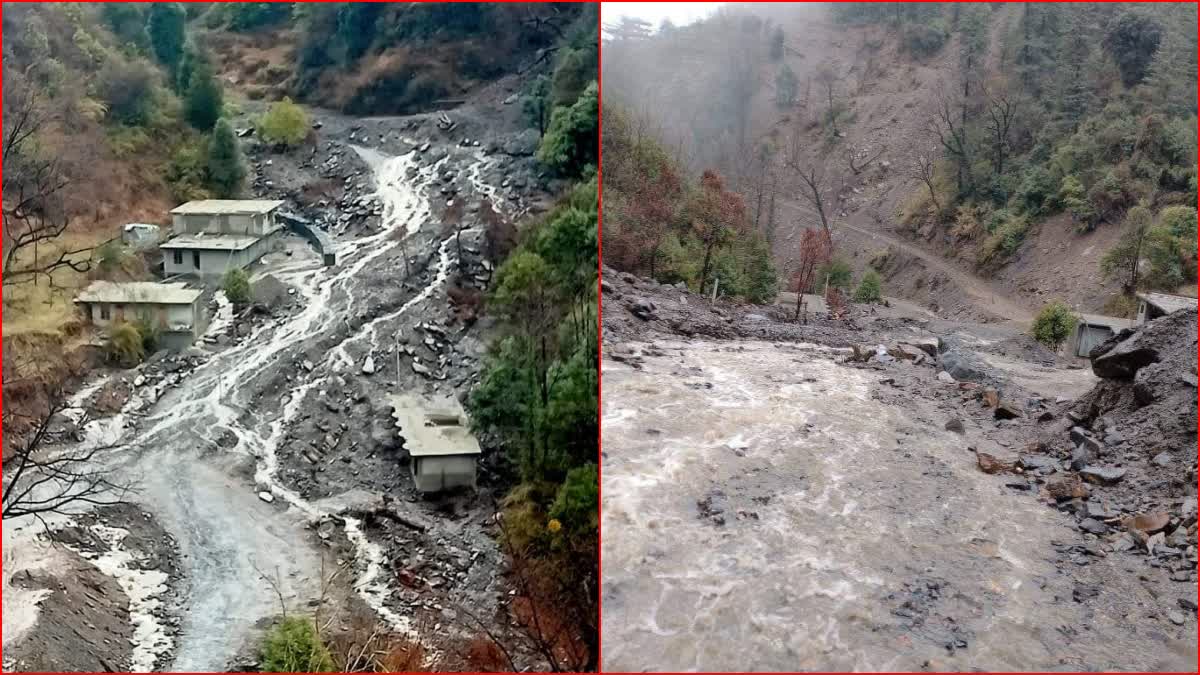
(210, 207)
(209, 242)
(1168, 303)
(1112, 322)
(139, 293)
(433, 428)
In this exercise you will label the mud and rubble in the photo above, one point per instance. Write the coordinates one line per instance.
(933, 521)
(267, 452)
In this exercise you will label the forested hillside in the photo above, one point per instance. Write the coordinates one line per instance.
(392, 58)
(1000, 138)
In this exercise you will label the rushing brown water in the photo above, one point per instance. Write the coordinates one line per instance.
(762, 511)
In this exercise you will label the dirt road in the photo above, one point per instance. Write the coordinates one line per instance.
(986, 297)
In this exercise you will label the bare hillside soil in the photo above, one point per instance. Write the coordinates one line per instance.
(888, 94)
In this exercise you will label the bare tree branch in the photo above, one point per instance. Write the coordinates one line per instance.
(41, 480)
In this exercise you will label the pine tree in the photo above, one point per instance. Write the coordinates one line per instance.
(226, 170)
(1173, 71)
(166, 25)
(1075, 54)
(204, 98)
(786, 84)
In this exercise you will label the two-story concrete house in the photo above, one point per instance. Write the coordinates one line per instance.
(213, 236)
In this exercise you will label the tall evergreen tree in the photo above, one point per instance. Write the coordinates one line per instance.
(1173, 71)
(1075, 54)
(166, 25)
(204, 98)
(226, 169)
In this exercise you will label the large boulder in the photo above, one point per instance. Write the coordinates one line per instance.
(521, 144)
(960, 362)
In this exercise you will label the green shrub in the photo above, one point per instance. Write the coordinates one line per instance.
(285, 123)
(1108, 197)
(837, 272)
(576, 506)
(125, 345)
(1054, 324)
(923, 40)
(247, 16)
(1179, 220)
(149, 334)
(109, 257)
(294, 646)
(1036, 193)
(869, 288)
(127, 89)
(236, 285)
(570, 142)
(186, 174)
(1005, 240)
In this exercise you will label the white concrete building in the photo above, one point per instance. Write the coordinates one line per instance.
(213, 236)
(436, 434)
(1154, 305)
(1092, 329)
(173, 309)
(211, 254)
(248, 217)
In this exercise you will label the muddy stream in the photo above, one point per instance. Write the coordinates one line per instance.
(762, 511)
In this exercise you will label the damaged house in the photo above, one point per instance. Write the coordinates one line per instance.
(443, 450)
(212, 236)
(1153, 305)
(174, 310)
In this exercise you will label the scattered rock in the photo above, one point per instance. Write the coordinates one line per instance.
(956, 425)
(1094, 526)
(1176, 618)
(266, 496)
(989, 463)
(1007, 411)
(1102, 475)
(1066, 487)
(369, 366)
(1149, 523)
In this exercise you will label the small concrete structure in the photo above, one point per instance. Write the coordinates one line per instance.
(213, 236)
(1154, 305)
(138, 236)
(174, 309)
(1092, 329)
(444, 453)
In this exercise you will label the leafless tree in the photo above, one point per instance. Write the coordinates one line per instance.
(813, 183)
(41, 480)
(948, 125)
(34, 214)
(924, 168)
(828, 78)
(1002, 111)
